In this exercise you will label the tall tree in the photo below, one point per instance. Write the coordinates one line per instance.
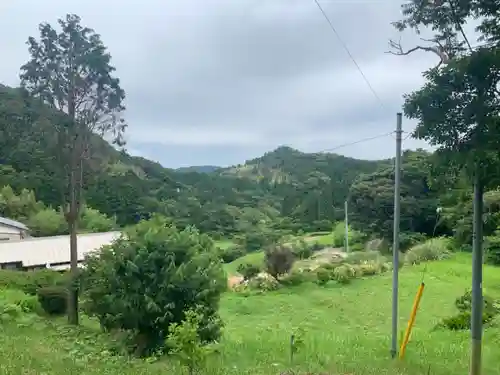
(70, 71)
(457, 109)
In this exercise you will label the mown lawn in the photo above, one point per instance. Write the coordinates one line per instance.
(346, 331)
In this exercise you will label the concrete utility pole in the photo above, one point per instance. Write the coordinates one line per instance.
(476, 327)
(395, 239)
(346, 228)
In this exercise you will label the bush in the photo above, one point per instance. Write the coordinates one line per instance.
(9, 311)
(355, 238)
(26, 303)
(145, 281)
(248, 270)
(278, 260)
(364, 257)
(432, 249)
(47, 222)
(257, 240)
(231, 253)
(462, 320)
(30, 281)
(323, 276)
(409, 239)
(53, 299)
(492, 249)
(344, 273)
(264, 283)
(94, 221)
(301, 249)
(184, 342)
(296, 277)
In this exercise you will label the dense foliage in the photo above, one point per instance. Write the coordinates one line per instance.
(149, 278)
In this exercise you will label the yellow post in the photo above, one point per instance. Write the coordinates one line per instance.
(411, 321)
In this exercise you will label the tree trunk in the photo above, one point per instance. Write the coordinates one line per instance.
(73, 289)
(477, 276)
(72, 219)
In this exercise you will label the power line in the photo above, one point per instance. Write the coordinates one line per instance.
(356, 142)
(332, 27)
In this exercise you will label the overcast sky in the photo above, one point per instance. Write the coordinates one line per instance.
(222, 81)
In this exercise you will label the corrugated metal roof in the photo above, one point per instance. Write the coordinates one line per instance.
(52, 250)
(12, 223)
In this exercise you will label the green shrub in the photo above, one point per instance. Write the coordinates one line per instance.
(323, 276)
(94, 221)
(370, 269)
(231, 253)
(356, 238)
(31, 281)
(410, 239)
(9, 311)
(462, 320)
(278, 260)
(432, 249)
(344, 274)
(27, 303)
(53, 299)
(296, 277)
(146, 280)
(364, 257)
(316, 246)
(184, 342)
(264, 283)
(301, 249)
(258, 239)
(492, 249)
(248, 270)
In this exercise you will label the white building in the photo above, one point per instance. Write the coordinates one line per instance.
(50, 252)
(12, 230)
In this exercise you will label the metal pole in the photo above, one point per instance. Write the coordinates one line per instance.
(477, 277)
(395, 239)
(346, 228)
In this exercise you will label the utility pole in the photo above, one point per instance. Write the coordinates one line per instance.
(395, 239)
(346, 228)
(476, 327)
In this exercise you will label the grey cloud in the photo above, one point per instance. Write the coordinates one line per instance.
(254, 73)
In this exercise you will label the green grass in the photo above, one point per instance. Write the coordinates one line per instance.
(223, 244)
(256, 258)
(346, 331)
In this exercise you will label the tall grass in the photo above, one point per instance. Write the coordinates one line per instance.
(432, 249)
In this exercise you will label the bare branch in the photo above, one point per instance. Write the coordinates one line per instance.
(438, 49)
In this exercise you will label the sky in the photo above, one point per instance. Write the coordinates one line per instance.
(218, 82)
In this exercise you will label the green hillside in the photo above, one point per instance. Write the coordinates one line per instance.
(306, 189)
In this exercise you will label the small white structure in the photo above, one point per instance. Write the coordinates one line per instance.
(53, 252)
(12, 230)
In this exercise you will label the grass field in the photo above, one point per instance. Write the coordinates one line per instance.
(346, 331)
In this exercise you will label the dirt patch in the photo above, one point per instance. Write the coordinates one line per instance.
(328, 255)
(232, 281)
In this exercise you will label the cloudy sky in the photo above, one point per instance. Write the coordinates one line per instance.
(222, 81)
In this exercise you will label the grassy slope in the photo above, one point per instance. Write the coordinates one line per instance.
(346, 332)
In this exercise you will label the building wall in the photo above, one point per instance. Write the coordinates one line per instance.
(8, 233)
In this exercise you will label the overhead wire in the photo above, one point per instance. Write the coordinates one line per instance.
(356, 142)
(346, 48)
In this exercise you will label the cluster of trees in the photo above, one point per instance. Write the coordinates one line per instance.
(429, 207)
(45, 220)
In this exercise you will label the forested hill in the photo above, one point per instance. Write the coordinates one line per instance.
(283, 187)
